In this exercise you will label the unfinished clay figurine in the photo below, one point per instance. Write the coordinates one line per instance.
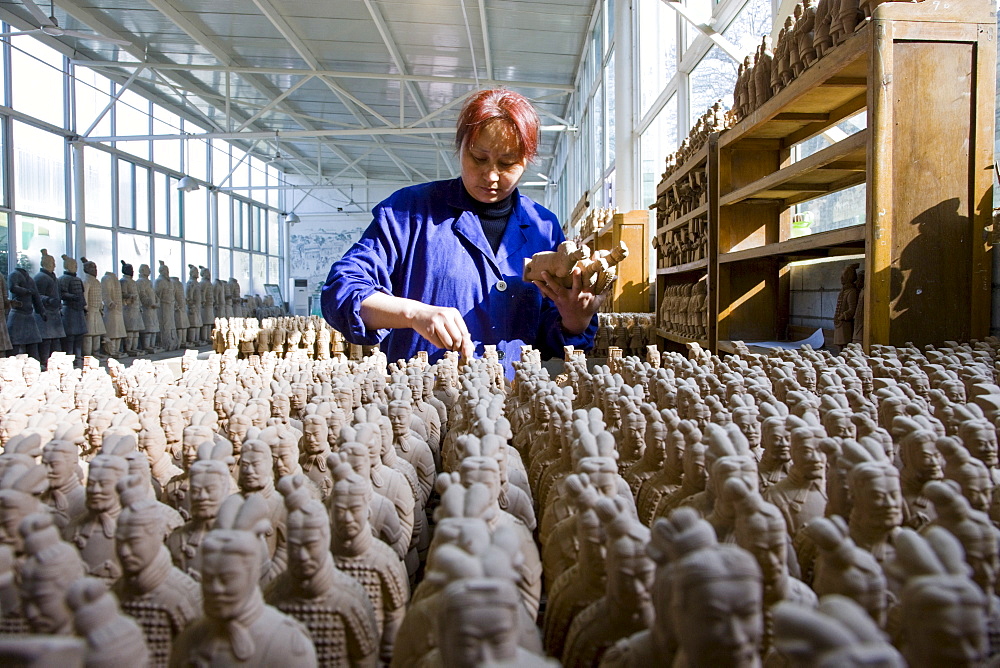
(596, 270)
(113, 639)
(332, 605)
(238, 628)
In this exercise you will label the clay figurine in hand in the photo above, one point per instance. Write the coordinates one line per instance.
(113, 639)
(50, 327)
(114, 322)
(192, 293)
(74, 315)
(626, 607)
(50, 568)
(371, 562)
(209, 486)
(478, 625)
(943, 612)
(93, 533)
(165, 296)
(332, 605)
(801, 496)
(94, 300)
(21, 322)
(238, 628)
(132, 310)
(843, 568)
(66, 497)
(837, 633)
(158, 595)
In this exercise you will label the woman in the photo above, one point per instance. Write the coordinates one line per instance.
(440, 266)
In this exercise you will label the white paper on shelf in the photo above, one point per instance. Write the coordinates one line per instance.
(815, 340)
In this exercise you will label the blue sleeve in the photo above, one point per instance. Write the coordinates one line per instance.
(552, 338)
(366, 268)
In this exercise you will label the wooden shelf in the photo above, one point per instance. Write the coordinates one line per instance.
(834, 88)
(696, 160)
(686, 218)
(833, 168)
(683, 268)
(809, 244)
(677, 338)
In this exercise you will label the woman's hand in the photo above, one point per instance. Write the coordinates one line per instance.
(445, 328)
(576, 305)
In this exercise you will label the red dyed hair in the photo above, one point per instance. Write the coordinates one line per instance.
(503, 105)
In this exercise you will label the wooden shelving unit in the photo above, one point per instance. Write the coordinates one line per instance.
(926, 158)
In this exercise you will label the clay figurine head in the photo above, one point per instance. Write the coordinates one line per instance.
(144, 270)
(315, 438)
(141, 527)
(192, 272)
(102, 478)
(206, 274)
(48, 263)
(349, 502)
(808, 459)
(164, 270)
(126, 269)
(256, 467)
(69, 264)
(479, 623)
(776, 440)
(60, 459)
(973, 529)
(760, 529)
(400, 414)
(50, 568)
(629, 568)
(980, 438)
(89, 267)
(878, 501)
(232, 556)
(21, 487)
(308, 529)
(113, 638)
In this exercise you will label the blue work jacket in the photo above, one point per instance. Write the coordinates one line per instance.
(427, 244)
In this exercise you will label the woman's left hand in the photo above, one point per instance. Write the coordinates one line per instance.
(576, 305)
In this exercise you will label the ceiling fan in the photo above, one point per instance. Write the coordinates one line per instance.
(48, 25)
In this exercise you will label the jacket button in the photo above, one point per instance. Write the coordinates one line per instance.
(501, 285)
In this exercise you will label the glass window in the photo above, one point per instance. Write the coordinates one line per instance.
(274, 270)
(196, 254)
(134, 249)
(161, 203)
(241, 269)
(273, 232)
(4, 242)
(37, 81)
(225, 264)
(92, 94)
(609, 111)
(99, 187)
(196, 216)
(237, 217)
(657, 142)
(39, 171)
(220, 161)
(272, 193)
(168, 250)
(166, 152)
(712, 79)
(258, 230)
(175, 200)
(141, 198)
(834, 211)
(132, 118)
(225, 208)
(126, 212)
(99, 249)
(657, 50)
(196, 157)
(746, 29)
(259, 272)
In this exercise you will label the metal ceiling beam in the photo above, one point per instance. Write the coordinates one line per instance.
(298, 134)
(338, 74)
(275, 102)
(486, 39)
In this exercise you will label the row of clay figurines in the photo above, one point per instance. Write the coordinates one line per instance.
(110, 317)
(687, 243)
(590, 444)
(684, 309)
(311, 335)
(761, 478)
(630, 333)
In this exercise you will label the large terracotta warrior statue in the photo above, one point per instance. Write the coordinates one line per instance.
(74, 309)
(132, 312)
(192, 291)
(114, 322)
(150, 307)
(94, 299)
(165, 295)
(207, 291)
(50, 327)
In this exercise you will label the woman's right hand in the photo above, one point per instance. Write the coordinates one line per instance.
(445, 328)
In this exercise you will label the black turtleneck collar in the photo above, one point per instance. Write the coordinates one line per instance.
(494, 217)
